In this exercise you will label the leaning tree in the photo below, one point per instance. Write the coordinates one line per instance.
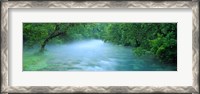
(42, 33)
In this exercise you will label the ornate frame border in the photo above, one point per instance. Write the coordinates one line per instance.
(99, 4)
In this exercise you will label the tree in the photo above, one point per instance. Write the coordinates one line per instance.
(54, 34)
(40, 33)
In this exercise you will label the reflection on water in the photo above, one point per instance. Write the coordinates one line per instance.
(96, 55)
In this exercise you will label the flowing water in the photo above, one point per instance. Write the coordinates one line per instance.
(97, 55)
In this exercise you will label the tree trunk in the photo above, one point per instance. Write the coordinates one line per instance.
(43, 45)
(53, 35)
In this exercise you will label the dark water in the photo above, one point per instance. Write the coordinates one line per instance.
(96, 55)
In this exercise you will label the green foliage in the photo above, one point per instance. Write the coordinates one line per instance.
(157, 38)
(164, 46)
(160, 39)
(35, 61)
(139, 51)
(35, 33)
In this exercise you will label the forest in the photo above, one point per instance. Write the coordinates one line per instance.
(155, 39)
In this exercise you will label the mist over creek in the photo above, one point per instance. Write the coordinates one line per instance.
(90, 55)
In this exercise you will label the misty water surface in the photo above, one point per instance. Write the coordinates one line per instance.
(96, 55)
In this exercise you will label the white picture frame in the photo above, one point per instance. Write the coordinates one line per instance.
(6, 5)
